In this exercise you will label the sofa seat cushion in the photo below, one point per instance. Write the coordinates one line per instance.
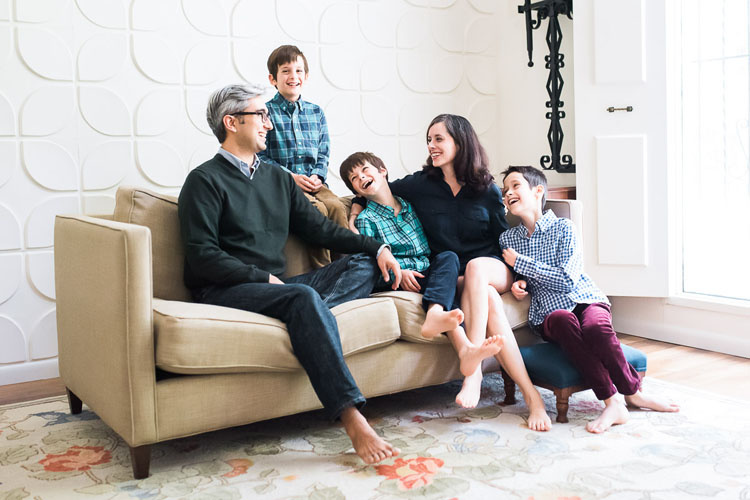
(202, 339)
(411, 315)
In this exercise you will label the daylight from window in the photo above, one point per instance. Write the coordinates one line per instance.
(715, 89)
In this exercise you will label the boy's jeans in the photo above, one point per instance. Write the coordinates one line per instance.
(304, 303)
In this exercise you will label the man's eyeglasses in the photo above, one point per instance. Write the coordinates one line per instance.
(262, 112)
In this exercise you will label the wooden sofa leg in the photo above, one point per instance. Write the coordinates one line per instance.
(562, 396)
(510, 389)
(140, 458)
(74, 402)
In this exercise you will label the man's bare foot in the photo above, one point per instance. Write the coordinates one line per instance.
(367, 444)
(615, 413)
(468, 396)
(538, 418)
(438, 320)
(471, 356)
(640, 400)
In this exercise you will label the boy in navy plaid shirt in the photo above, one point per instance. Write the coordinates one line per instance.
(299, 141)
(566, 306)
(392, 220)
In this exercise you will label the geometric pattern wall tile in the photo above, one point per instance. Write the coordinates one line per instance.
(379, 114)
(480, 74)
(8, 159)
(5, 44)
(342, 113)
(446, 73)
(245, 18)
(39, 11)
(106, 164)
(338, 24)
(47, 110)
(249, 62)
(377, 22)
(416, 114)
(477, 40)
(11, 267)
(415, 69)
(206, 16)
(482, 115)
(297, 27)
(485, 6)
(105, 13)
(155, 58)
(443, 26)
(102, 56)
(50, 165)
(12, 340)
(158, 111)
(195, 104)
(150, 15)
(43, 339)
(412, 152)
(378, 70)
(41, 271)
(340, 66)
(203, 153)
(412, 31)
(7, 117)
(5, 10)
(45, 53)
(10, 230)
(104, 111)
(98, 204)
(161, 163)
(206, 62)
(41, 222)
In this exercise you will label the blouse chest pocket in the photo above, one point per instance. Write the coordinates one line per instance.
(474, 223)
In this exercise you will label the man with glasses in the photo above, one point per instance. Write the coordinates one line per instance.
(236, 213)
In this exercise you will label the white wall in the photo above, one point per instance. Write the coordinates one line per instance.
(98, 93)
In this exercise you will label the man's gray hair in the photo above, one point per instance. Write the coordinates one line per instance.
(228, 100)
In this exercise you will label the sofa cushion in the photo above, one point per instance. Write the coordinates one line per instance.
(411, 315)
(201, 338)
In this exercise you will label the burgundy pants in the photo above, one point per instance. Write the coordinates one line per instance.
(586, 335)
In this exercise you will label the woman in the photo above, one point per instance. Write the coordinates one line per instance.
(461, 210)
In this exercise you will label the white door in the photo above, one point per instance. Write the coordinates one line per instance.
(621, 156)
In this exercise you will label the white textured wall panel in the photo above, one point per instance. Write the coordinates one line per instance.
(8, 158)
(41, 270)
(11, 266)
(12, 340)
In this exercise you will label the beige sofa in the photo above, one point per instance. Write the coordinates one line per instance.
(155, 366)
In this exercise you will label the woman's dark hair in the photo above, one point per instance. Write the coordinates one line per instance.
(471, 163)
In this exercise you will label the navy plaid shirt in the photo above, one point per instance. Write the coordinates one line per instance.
(402, 232)
(299, 141)
(551, 261)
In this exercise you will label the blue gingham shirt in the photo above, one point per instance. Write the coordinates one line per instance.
(402, 232)
(551, 261)
(299, 141)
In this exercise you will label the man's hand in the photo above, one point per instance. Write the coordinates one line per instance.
(387, 262)
(518, 289)
(305, 183)
(409, 280)
(274, 280)
(509, 256)
(317, 183)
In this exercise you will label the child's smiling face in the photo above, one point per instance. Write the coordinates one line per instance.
(518, 196)
(367, 180)
(290, 78)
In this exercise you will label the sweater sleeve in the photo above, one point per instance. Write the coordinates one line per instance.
(199, 208)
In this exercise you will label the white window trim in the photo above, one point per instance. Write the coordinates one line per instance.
(711, 303)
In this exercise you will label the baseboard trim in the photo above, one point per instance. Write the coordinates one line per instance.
(28, 372)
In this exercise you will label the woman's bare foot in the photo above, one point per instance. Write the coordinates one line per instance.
(538, 418)
(438, 320)
(640, 400)
(615, 413)
(367, 444)
(468, 396)
(471, 356)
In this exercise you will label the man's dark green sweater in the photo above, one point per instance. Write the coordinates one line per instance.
(234, 228)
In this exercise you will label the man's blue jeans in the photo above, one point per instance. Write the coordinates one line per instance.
(304, 303)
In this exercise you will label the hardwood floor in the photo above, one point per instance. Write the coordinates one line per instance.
(711, 371)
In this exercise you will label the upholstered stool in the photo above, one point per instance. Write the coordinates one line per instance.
(550, 368)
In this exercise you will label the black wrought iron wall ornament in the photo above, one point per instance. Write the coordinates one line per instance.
(550, 9)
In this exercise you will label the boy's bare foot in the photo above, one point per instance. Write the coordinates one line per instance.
(640, 400)
(615, 413)
(468, 396)
(439, 320)
(538, 418)
(471, 356)
(367, 444)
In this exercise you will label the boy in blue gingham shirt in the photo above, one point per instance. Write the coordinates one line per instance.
(392, 220)
(566, 306)
(299, 141)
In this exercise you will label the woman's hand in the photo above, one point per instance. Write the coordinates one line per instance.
(409, 280)
(509, 256)
(518, 289)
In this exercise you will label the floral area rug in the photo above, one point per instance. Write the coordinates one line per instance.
(447, 452)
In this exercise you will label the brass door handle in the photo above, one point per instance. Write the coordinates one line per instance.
(612, 109)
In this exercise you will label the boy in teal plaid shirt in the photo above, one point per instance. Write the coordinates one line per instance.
(392, 220)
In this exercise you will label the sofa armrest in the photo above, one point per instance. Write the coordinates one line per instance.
(104, 294)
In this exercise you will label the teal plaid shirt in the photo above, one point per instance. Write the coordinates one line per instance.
(299, 141)
(403, 232)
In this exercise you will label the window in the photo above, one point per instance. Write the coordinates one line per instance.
(714, 77)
